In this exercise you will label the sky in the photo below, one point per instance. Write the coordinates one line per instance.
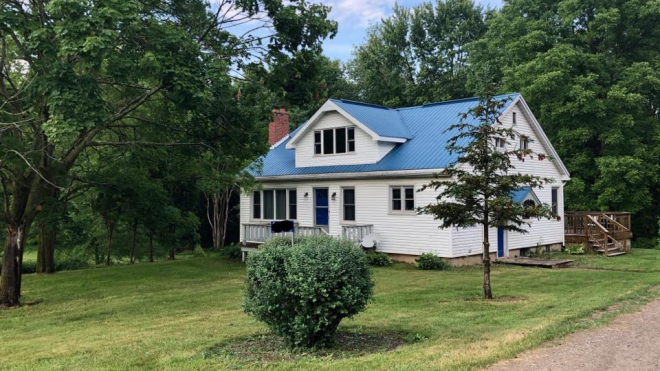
(354, 16)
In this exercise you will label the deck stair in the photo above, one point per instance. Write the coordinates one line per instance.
(607, 233)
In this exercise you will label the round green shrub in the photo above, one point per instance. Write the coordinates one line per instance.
(232, 251)
(303, 292)
(431, 262)
(198, 251)
(378, 259)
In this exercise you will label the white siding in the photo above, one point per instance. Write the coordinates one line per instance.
(541, 232)
(400, 233)
(367, 150)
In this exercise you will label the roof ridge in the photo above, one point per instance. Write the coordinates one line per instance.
(452, 101)
(349, 101)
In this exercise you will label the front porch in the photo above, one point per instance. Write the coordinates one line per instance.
(254, 234)
(607, 233)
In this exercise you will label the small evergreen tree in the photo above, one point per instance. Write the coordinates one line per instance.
(476, 189)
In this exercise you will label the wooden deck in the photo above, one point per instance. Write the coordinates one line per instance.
(607, 233)
(540, 263)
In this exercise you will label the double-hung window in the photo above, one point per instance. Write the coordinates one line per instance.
(524, 143)
(293, 204)
(402, 199)
(500, 142)
(348, 200)
(274, 204)
(555, 200)
(334, 141)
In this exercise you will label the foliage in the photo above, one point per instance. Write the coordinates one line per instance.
(430, 261)
(418, 55)
(574, 250)
(302, 292)
(476, 189)
(378, 259)
(199, 251)
(232, 251)
(645, 243)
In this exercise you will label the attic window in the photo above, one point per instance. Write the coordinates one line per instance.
(524, 143)
(500, 142)
(331, 141)
(514, 118)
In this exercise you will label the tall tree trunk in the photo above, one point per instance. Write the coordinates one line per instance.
(217, 213)
(488, 294)
(97, 253)
(171, 254)
(109, 225)
(135, 225)
(48, 229)
(46, 249)
(151, 246)
(12, 265)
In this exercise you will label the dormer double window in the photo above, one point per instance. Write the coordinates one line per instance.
(334, 141)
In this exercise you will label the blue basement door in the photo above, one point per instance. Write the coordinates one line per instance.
(321, 206)
(500, 242)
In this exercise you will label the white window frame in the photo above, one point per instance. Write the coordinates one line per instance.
(556, 204)
(403, 200)
(261, 207)
(343, 219)
(334, 141)
(524, 143)
(500, 143)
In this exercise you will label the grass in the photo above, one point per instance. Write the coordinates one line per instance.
(640, 260)
(171, 315)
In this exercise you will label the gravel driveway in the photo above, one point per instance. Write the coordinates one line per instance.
(629, 342)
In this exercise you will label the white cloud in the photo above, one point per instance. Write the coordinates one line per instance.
(359, 13)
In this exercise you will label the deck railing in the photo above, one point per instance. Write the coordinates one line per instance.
(260, 232)
(600, 228)
(356, 232)
(575, 222)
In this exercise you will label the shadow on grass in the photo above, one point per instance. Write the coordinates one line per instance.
(348, 343)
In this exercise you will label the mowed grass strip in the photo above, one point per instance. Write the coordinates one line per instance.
(167, 315)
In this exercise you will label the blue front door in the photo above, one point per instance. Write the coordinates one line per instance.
(500, 242)
(321, 206)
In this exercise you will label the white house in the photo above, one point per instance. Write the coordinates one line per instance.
(354, 169)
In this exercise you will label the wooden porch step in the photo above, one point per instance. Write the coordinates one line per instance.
(616, 253)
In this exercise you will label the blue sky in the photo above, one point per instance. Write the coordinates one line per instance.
(354, 16)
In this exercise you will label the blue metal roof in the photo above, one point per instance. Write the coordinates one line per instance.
(382, 120)
(423, 126)
(519, 195)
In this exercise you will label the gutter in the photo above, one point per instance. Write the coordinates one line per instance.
(421, 173)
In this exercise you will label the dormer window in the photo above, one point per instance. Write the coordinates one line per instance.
(334, 141)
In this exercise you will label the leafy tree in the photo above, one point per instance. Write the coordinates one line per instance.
(332, 81)
(476, 189)
(418, 55)
(76, 75)
(590, 70)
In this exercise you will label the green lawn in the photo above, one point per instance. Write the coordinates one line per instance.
(166, 315)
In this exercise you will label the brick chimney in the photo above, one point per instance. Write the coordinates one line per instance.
(279, 128)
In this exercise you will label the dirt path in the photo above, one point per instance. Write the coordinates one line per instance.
(630, 342)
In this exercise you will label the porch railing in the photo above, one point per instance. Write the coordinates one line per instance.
(603, 229)
(357, 232)
(260, 232)
(575, 222)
